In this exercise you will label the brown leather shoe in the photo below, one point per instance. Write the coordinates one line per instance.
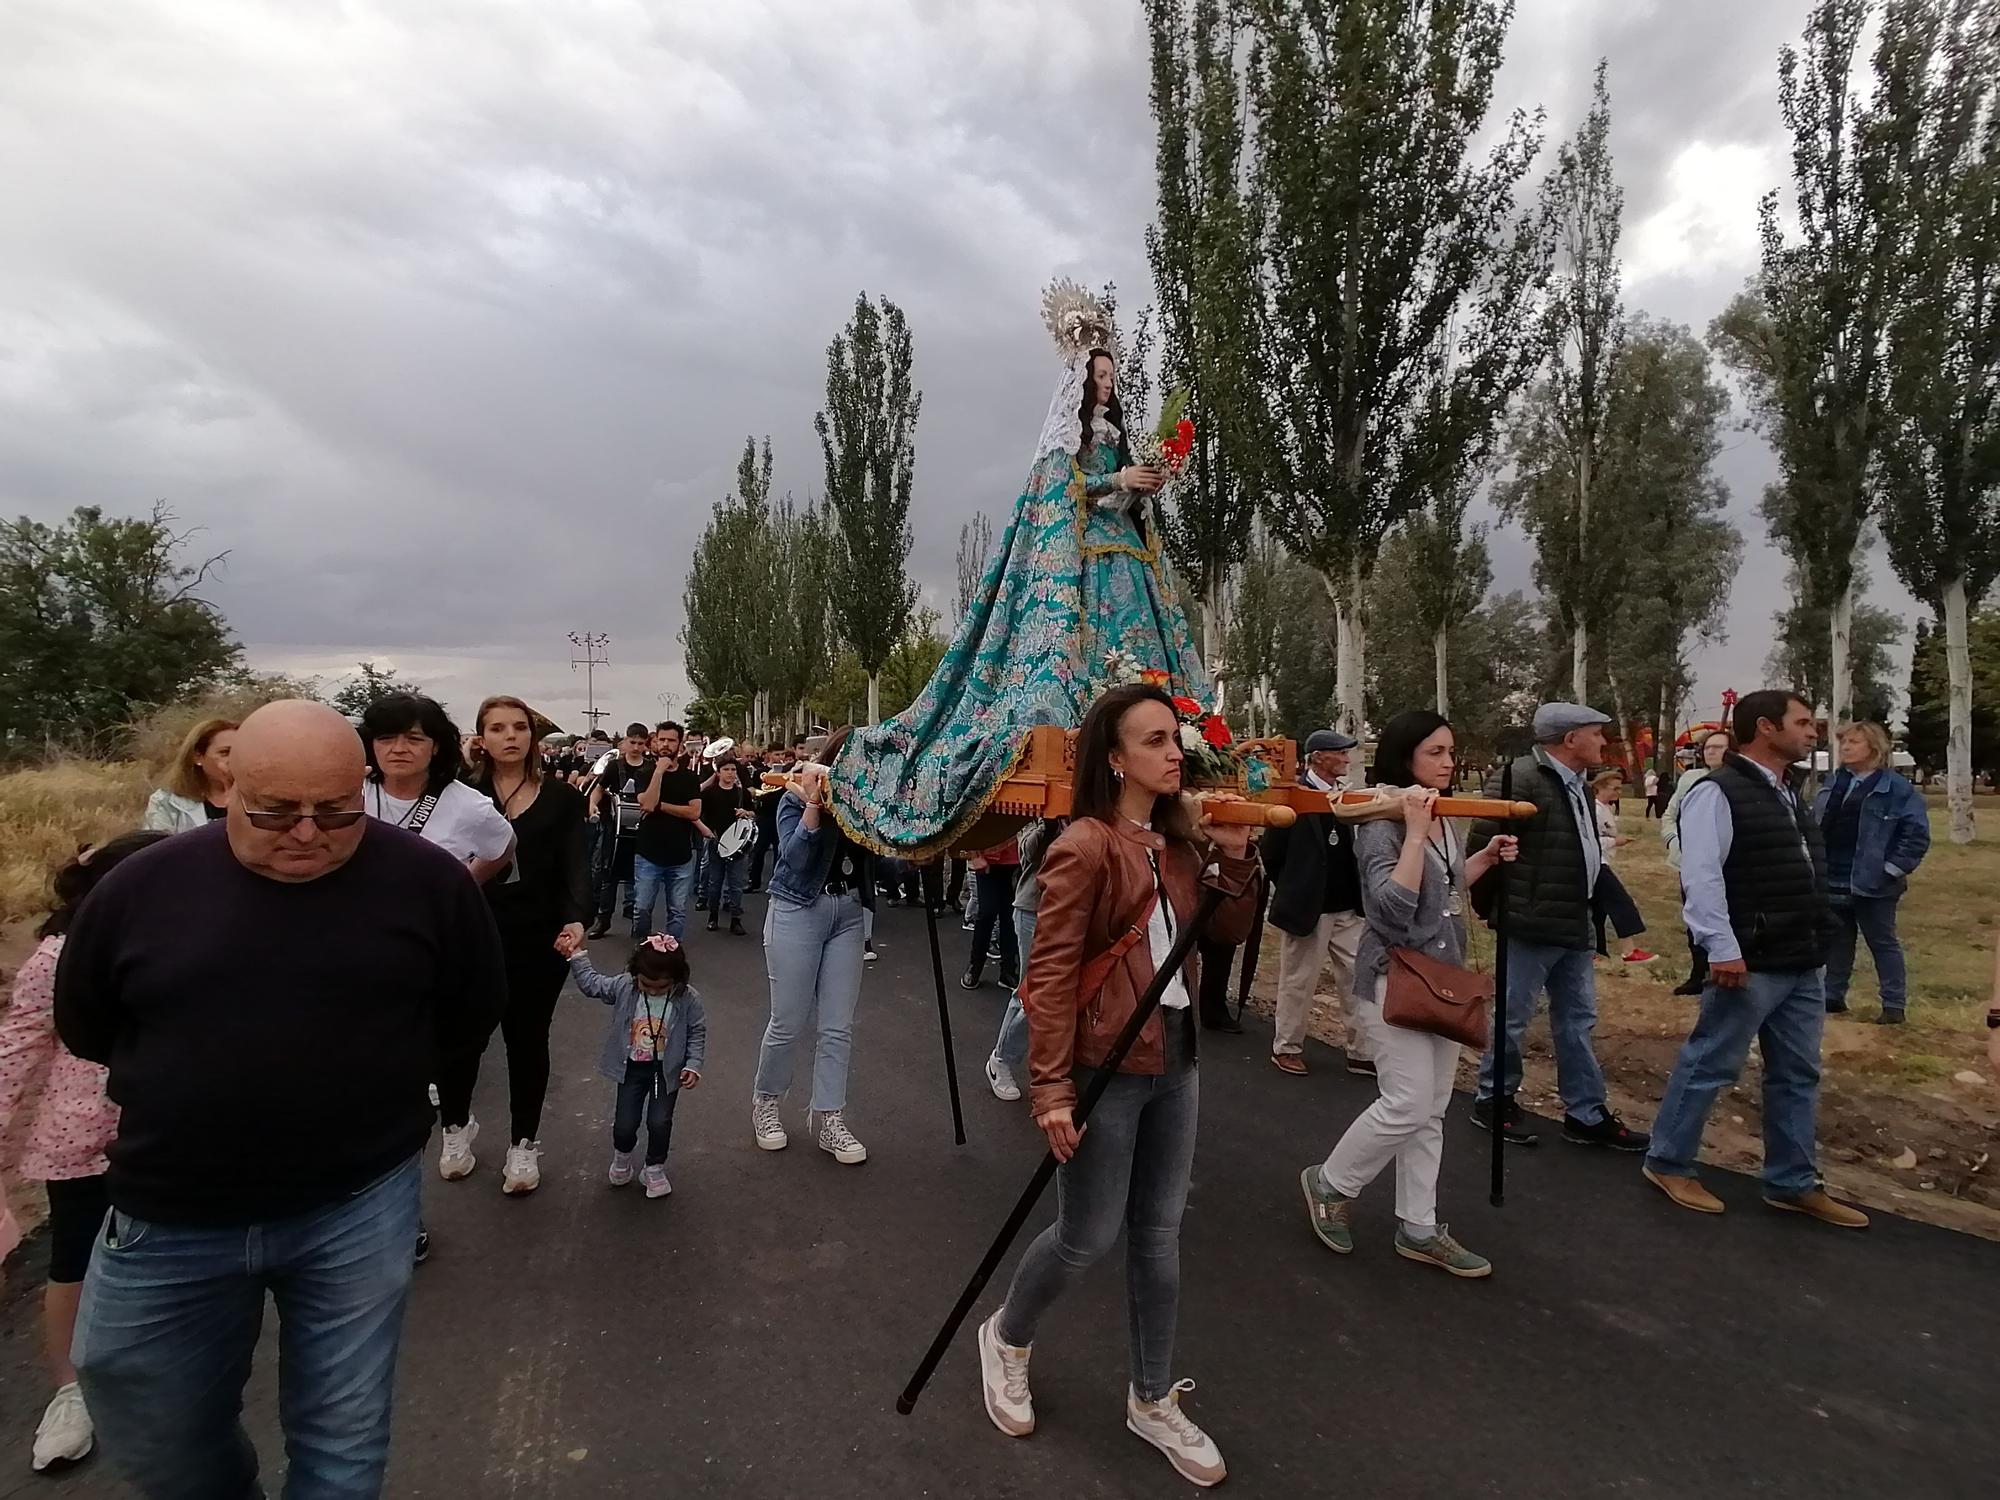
(1686, 1191)
(1289, 1062)
(1824, 1207)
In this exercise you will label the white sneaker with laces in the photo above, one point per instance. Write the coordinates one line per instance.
(621, 1168)
(1000, 1079)
(838, 1141)
(1003, 1376)
(1174, 1433)
(456, 1159)
(766, 1123)
(656, 1182)
(65, 1434)
(524, 1168)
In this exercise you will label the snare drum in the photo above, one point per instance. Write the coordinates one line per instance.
(627, 816)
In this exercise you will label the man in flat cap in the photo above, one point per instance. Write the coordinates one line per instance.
(1316, 906)
(1552, 932)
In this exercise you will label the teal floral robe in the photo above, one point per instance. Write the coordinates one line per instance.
(1069, 581)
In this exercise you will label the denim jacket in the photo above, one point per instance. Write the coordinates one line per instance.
(687, 1025)
(806, 856)
(1894, 835)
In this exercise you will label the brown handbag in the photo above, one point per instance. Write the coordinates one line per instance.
(1427, 994)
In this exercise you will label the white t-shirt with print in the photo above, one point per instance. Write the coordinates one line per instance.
(1607, 827)
(464, 823)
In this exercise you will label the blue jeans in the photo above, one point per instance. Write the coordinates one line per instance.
(169, 1323)
(1011, 1046)
(649, 883)
(1130, 1173)
(1785, 1013)
(1572, 988)
(813, 955)
(1875, 919)
(722, 881)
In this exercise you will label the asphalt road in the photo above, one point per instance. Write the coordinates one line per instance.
(748, 1335)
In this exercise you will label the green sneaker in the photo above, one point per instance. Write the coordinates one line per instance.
(1328, 1210)
(1444, 1252)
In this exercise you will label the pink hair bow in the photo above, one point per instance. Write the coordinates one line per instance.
(663, 942)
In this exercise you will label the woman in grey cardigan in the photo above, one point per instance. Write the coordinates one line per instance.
(1414, 879)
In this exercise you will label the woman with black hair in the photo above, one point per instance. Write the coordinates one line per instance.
(1414, 876)
(1116, 886)
(541, 902)
(822, 894)
(61, 1136)
(414, 757)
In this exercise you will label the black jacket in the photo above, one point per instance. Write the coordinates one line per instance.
(1547, 902)
(1296, 863)
(1775, 874)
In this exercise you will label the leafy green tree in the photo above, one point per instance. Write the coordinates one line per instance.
(912, 661)
(1808, 337)
(1801, 655)
(1939, 468)
(975, 548)
(372, 681)
(868, 433)
(1393, 262)
(1256, 629)
(802, 549)
(725, 634)
(839, 697)
(1203, 252)
(719, 713)
(1929, 722)
(101, 619)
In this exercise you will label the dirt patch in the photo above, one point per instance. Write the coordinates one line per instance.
(1898, 1130)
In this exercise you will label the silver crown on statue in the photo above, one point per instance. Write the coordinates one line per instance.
(1077, 320)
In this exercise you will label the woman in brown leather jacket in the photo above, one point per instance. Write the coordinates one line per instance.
(1116, 887)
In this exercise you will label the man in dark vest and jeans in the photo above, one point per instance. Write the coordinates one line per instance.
(1754, 871)
(1552, 932)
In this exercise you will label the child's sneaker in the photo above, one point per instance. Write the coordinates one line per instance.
(838, 1141)
(524, 1168)
(455, 1158)
(656, 1182)
(621, 1169)
(1171, 1430)
(766, 1124)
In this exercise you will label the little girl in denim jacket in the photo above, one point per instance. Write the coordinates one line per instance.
(655, 1048)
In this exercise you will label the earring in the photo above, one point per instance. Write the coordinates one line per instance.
(1119, 774)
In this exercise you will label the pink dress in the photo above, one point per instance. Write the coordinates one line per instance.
(50, 1095)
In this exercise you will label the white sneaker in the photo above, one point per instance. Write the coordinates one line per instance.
(1000, 1079)
(766, 1124)
(1174, 1433)
(838, 1141)
(868, 954)
(621, 1168)
(1003, 1377)
(656, 1182)
(524, 1168)
(456, 1159)
(65, 1434)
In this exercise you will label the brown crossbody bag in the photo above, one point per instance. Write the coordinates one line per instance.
(1428, 994)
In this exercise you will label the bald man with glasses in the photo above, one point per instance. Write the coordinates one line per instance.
(272, 999)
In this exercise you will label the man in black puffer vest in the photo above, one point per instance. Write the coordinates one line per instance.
(1552, 931)
(1754, 872)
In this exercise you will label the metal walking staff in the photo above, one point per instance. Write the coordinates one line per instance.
(1498, 1195)
(1100, 1080)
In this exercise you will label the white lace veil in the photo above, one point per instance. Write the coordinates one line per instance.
(1079, 323)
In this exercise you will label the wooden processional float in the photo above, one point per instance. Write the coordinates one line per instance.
(1039, 786)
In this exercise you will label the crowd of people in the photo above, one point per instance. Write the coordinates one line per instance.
(421, 890)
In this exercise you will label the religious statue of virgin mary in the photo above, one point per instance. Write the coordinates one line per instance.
(1077, 577)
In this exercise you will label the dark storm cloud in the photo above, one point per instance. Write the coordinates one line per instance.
(449, 321)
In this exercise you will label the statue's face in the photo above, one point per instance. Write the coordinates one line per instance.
(1103, 379)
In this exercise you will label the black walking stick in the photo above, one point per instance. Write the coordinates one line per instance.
(1100, 1080)
(944, 1019)
(1252, 948)
(1498, 1196)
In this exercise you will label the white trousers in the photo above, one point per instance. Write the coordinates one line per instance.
(1301, 960)
(1414, 1071)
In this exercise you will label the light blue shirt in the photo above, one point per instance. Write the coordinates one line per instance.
(1707, 832)
(1586, 820)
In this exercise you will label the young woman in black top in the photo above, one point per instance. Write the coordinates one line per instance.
(543, 898)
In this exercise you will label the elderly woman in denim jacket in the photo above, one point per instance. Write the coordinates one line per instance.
(1877, 832)
(821, 894)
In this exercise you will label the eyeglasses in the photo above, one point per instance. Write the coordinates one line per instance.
(284, 822)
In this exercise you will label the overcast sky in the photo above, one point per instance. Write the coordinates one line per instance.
(447, 320)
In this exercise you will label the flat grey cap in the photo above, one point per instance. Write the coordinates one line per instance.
(1329, 739)
(1554, 720)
